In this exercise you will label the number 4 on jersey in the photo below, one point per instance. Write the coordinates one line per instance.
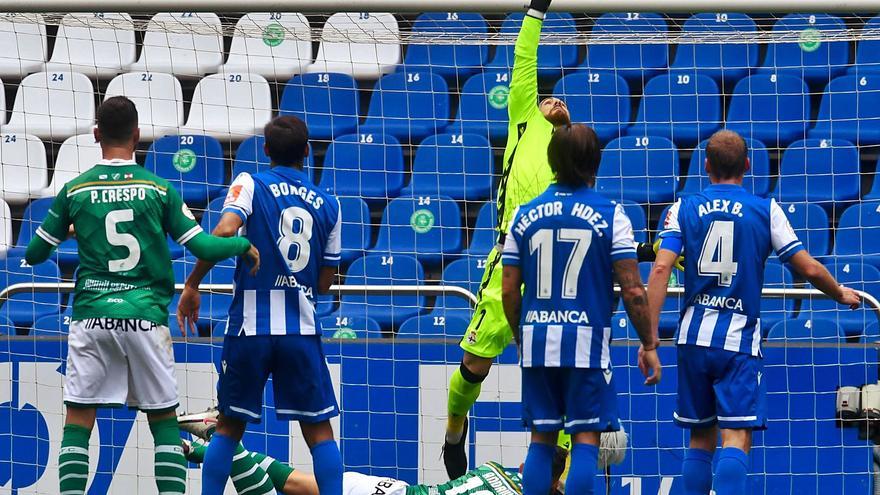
(716, 257)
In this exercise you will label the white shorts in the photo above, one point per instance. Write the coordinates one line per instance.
(360, 484)
(117, 361)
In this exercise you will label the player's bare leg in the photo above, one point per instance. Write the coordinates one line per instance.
(464, 389)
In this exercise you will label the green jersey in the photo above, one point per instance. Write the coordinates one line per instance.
(121, 213)
(488, 479)
(526, 171)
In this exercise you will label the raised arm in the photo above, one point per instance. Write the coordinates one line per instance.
(523, 98)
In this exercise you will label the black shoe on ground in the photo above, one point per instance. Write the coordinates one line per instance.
(454, 456)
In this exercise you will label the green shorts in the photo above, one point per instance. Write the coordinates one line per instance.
(488, 333)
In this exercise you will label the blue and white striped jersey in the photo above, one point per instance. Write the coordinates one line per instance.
(726, 235)
(566, 241)
(296, 227)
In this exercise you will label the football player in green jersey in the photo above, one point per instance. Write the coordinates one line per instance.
(119, 345)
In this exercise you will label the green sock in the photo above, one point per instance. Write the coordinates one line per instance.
(278, 471)
(73, 460)
(248, 477)
(196, 452)
(170, 465)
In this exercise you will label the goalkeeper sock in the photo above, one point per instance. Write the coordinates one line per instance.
(169, 463)
(278, 471)
(248, 476)
(73, 460)
(731, 474)
(538, 469)
(218, 464)
(582, 473)
(463, 393)
(327, 464)
(696, 472)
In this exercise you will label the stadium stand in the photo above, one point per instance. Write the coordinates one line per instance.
(53, 325)
(641, 169)
(485, 235)
(635, 62)
(186, 44)
(366, 165)
(872, 333)
(99, 44)
(850, 110)
(425, 227)
(229, 106)
(482, 105)
(671, 311)
(23, 170)
(434, 326)
(66, 255)
(819, 329)
(211, 215)
(193, 165)
(275, 45)
(24, 308)
(682, 107)
(214, 306)
(622, 328)
(856, 238)
(388, 310)
(598, 99)
(855, 275)
(456, 165)
(53, 105)
(348, 45)
(327, 102)
(158, 98)
(6, 326)
(23, 38)
(757, 179)
(774, 310)
(867, 51)
(825, 171)
(250, 157)
(339, 326)
(408, 105)
(356, 235)
(6, 240)
(811, 224)
(810, 58)
(726, 63)
(553, 59)
(636, 215)
(453, 62)
(76, 155)
(466, 273)
(771, 108)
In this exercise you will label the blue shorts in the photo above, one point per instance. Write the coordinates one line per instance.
(300, 378)
(718, 386)
(576, 399)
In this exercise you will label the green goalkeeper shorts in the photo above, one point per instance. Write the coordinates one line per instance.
(488, 333)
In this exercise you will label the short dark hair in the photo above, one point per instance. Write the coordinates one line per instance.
(117, 120)
(574, 155)
(286, 140)
(727, 153)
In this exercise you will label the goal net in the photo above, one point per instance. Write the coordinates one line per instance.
(408, 122)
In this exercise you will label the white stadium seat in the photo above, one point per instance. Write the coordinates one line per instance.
(229, 106)
(97, 44)
(24, 45)
(53, 105)
(275, 45)
(76, 155)
(158, 98)
(182, 43)
(23, 160)
(5, 229)
(348, 45)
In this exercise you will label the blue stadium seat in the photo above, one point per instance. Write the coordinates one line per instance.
(192, 164)
(776, 276)
(819, 170)
(622, 328)
(773, 109)
(356, 236)
(872, 333)
(598, 99)
(408, 105)
(456, 165)
(466, 273)
(682, 107)
(219, 329)
(850, 110)
(433, 326)
(482, 105)
(485, 233)
(858, 234)
(636, 215)
(857, 276)
(635, 62)
(25, 308)
(643, 169)
(211, 215)
(671, 311)
(66, 256)
(451, 61)
(335, 325)
(868, 51)
(810, 58)
(427, 227)
(756, 181)
(215, 306)
(553, 60)
(364, 165)
(327, 102)
(251, 158)
(6, 326)
(52, 325)
(725, 62)
(819, 329)
(389, 311)
(811, 224)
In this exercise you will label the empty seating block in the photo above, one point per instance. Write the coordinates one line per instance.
(327, 102)
(25, 308)
(771, 108)
(810, 223)
(23, 38)
(726, 62)
(857, 276)
(76, 155)
(5, 229)
(868, 52)
(250, 157)
(409, 106)
(455, 165)
(756, 181)
(819, 170)
(850, 110)
(467, 274)
(636, 216)
(818, 329)
(158, 98)
(482, 105)
(348, 45)
(275, 45)
(451, 61)
(365, 165)
(641, 169)
(212, 214)
(339, 326)
(193, 165)
(53, 105)
(53, 325)
(682, 107)
(23, 172)
(598, 99)
(553, 59)
(811, 57)
(635, 62)
(858, 234)
(99, 44)
(433, 326)
(388, 310)
(356, 236)
(229, 106)
(426, 227)
(485, 233)
(66, 255)
(186, 44)
(776, 276)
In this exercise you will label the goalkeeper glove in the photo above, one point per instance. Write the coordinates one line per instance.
(679, 262)
(541, 6)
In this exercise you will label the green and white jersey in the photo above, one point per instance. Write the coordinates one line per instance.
(488, 479)
(121, 213)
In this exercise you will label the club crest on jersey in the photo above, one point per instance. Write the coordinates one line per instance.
(185, 210)
(233, 194)
(115, 176)
(472, 337)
